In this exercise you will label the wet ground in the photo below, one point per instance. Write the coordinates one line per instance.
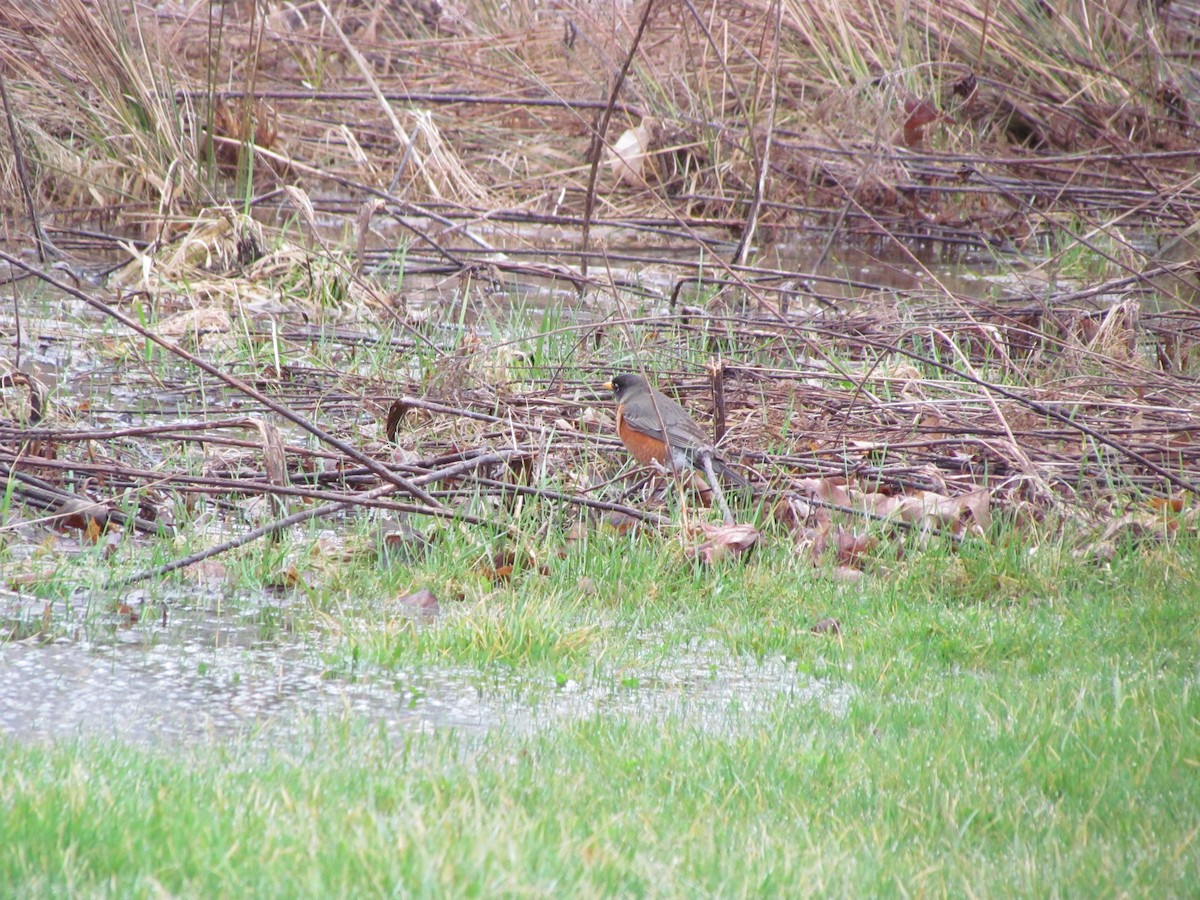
(213, 676)
(213, 672)
(205, 677)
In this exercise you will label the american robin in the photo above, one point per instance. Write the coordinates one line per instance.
(644, 414)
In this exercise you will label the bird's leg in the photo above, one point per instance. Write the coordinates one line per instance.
(715, 485)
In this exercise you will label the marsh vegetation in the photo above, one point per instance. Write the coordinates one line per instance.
(324, 571)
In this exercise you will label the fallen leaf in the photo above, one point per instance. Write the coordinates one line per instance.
(831, 490)
(919, 114)
(420, 603)
(505, 562)
(933, 510)
(1167, 504)
(979, 505)
(724, 542)
(621, 522)
(827, 626)
(814, 540)
(851, 547)
(627, 157)
(796, 514)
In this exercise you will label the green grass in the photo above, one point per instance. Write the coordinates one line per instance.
(1019, 721)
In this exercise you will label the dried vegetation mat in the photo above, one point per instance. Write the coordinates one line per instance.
(850, 430)
(293, 201)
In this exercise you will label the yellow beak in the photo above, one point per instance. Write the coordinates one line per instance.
(608, 385)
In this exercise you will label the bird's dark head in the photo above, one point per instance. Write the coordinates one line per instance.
(623, 386)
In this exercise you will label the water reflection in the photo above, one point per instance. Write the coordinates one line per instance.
(208, 676)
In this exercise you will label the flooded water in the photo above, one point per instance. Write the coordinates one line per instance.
(202, 674)
(207, 676)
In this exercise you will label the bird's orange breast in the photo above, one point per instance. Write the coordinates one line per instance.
(645, 448)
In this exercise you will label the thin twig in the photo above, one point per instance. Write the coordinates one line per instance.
(44, 248)
(598, 135)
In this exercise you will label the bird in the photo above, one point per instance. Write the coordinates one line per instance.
(650, 424)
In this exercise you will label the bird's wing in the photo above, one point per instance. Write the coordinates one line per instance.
(681, 430)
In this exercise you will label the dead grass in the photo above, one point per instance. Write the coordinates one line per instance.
(138, 116)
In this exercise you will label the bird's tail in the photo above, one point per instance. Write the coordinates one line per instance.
(725, 470)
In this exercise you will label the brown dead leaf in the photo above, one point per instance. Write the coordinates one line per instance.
(827, 626)
(883, 505)
(831, 490)
(422, 603)
(621, 522)
(797, 514)
(813, 540)
(505, 562)
(978, 505)
(850, 547)
(931, 425)
(1172, 504)
(918, 115)
(724, 542)
(928, 509)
